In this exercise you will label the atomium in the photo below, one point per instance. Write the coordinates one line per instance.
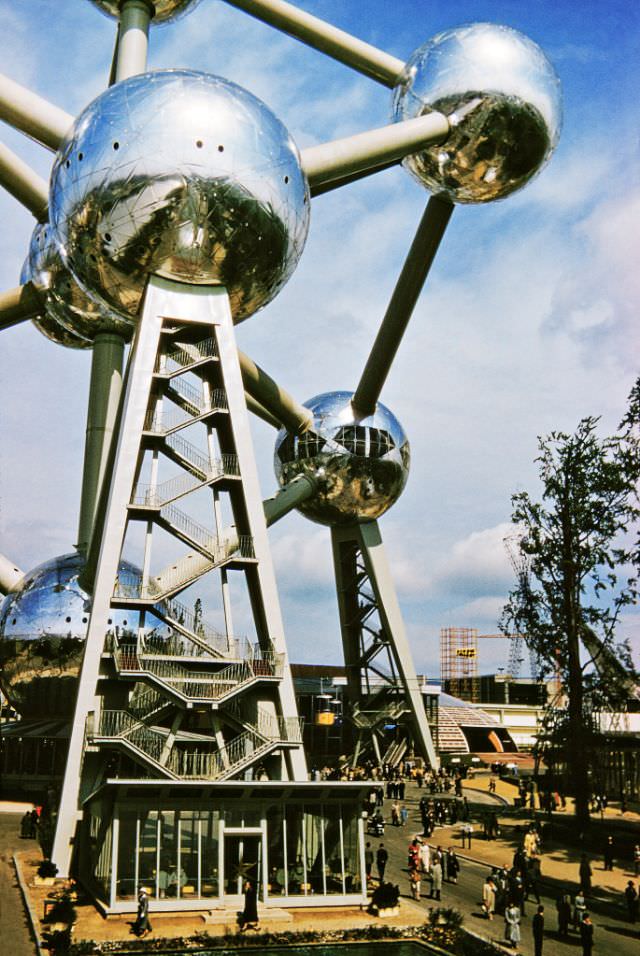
(513, 123)
(70, 317)
(163, 10)
(362, 463)
(43, 624)
(184, 175)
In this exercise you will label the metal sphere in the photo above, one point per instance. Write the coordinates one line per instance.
(163, 10)
(513, 127)
(70, 317)
(184, 175)
(362, 463)
(43, 625)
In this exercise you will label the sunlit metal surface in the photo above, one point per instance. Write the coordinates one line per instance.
(514, 127)
(70, 316)
(163, 9)
(184, 175)
(363, 463)
(43, 625)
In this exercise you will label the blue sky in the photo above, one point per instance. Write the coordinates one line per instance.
(527, 323)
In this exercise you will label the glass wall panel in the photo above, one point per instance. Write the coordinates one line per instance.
(209, 830)
(296, 870)
(352, 875)
(332, 832)
(314, 848)
(189, 840)
(169, 855)
(275, 851)
(126, 881)
(148, 853)
(101, 844)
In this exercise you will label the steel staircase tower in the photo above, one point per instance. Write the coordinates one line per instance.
(174, 696)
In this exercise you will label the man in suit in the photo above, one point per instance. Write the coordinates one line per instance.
(537, 925)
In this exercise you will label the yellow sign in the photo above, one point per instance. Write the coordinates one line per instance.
(466, 651)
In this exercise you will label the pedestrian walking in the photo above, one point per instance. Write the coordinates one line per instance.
(631, 897)
(586, 935)
(585, 874)
(404, 816)
(436, 878)
(413, 854)
(381, 861)
(537, 927)
(395, 814)
(368, 860)
(453, 865)
(467, 831)
(512, 925)
(489, 897)
(563, 907)
(249, 918)
(579, 910)
(609, 853)
(142, 925)
(636, 859)
(414, 882)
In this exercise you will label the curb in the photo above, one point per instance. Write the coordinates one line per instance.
(33, 926)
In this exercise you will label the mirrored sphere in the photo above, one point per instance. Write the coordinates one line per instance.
(43, 625)
(70, 317)
(184, 175)
(514, 111)
(163, 9)
(362, 463)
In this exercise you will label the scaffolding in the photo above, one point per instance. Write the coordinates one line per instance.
(459, 662)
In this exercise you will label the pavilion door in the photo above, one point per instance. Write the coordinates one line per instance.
(243, 860)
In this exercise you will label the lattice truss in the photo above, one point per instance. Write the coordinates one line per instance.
(178, 206)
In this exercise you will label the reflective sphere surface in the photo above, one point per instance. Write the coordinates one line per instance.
(43, 625)
(184, 175)
(163, 9)
(363, 463)
(513, 127)
(70, 316)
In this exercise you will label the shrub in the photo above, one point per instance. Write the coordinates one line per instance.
(47, 869)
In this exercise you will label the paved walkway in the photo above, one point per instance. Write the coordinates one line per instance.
(15, 936)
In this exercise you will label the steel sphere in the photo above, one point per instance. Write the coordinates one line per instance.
(362, 463)
(43, 625)
(70, 317)
(513, 127)
(163, 10)
(185, 175)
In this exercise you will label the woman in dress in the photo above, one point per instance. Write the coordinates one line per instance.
(249, 919)
(512, 925)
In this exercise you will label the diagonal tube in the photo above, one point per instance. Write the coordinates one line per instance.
(10, 575)
(19, 304)
(405, 295)
(278, 403)
(322, 36)
(329, 165)
(24, 184)
(32, 114)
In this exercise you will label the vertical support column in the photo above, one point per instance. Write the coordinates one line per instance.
(104, 396)
(366, 537)
(135, 400)
(133, 38)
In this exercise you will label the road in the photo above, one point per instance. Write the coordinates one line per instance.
(613, 933)
(14, 928)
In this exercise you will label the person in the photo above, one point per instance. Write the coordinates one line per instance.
(381, 861)
(467, 831)
(636, 859)
(489, 897)
(395, 814)
(537, 927)
(142, 924)
(368, 860)
(563, 907)
(453, 865)
(25, 826)
(413, 854)
(436, 877)
(609, 853)
(249, 918)
(425, 856)
(512, 924)
(631, 897)
(585, 875)
(579, 909)
(586, 935)
(414, 880)
(404, 816)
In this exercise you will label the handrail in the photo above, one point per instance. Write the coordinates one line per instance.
(182, 357)
(166, 420)
(188, 392)
(189, 452)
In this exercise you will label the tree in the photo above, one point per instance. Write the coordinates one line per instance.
(577, 567)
